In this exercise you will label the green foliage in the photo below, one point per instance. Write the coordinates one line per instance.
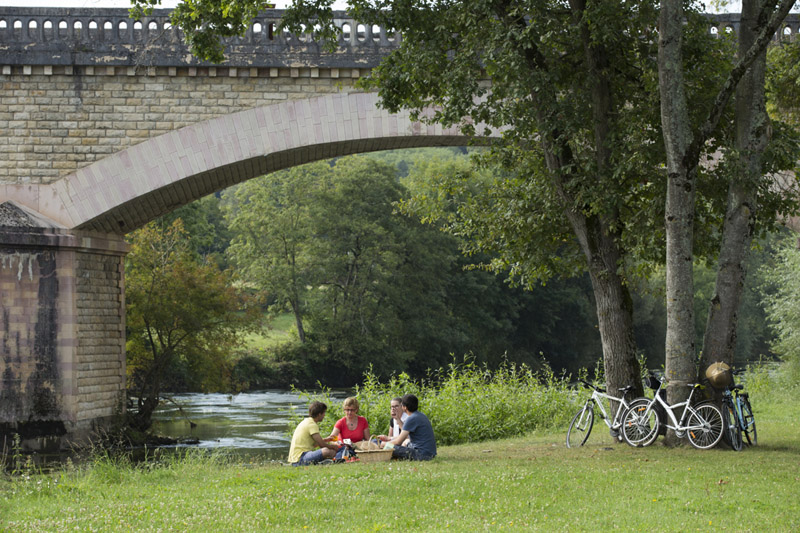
(783, 80)
(204, 22)
(205, 228)
(782, 304)
(270, 218)
(179, 311)
(375, 288)
(465, 402)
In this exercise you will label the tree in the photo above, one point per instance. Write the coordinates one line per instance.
(685, 141)
(575, 88)
(272, 226)
(205, 226)
(383, 293)
(782, 304)
(177, 309)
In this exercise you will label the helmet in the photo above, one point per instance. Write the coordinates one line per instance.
(719, 374)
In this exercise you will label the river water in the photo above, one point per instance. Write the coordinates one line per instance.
(251, 425)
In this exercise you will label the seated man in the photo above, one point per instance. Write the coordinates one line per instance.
(306, 438)
(417, 428)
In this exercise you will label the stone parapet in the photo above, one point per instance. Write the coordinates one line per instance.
(109, 37)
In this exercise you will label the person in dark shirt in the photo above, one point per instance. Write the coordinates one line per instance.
(418, 429)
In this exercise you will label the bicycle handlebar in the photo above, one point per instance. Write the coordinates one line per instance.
(590, 386)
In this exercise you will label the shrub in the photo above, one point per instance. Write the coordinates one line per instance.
(465, 402)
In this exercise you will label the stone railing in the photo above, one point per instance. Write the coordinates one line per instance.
(86, 36)
(729, 22)
(81, 36)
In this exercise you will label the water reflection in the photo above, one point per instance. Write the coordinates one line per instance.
(251, 423)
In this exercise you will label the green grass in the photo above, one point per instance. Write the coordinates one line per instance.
(278, 330)
(530, 483)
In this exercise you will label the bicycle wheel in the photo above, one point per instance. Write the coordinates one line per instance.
(640, 423)
(732, 430)
(581, 426)
(705, 426)
(748, 422)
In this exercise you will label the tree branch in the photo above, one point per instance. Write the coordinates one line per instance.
(736, 74)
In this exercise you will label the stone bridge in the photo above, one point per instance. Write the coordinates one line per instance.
(107, 123)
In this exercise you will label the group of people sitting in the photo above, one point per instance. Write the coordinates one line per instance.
(410, 433)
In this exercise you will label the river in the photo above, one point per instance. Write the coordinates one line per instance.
(249, 424)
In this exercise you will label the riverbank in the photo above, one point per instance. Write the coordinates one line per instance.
(519, 484)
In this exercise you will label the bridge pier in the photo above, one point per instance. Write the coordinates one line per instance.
(62, 330)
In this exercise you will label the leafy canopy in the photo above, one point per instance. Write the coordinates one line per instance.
(178, 311)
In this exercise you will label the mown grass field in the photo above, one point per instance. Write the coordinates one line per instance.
(523, 484)
(277, 330)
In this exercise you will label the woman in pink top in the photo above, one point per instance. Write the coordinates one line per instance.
(351, 426)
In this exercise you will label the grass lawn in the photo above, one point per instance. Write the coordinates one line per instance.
(523, 484)
(277, 331)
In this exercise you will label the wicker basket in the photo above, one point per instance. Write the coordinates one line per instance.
(374, 456)
(719, 374)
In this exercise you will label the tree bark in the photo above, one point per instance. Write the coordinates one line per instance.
(683, 148)
(598, 242)
(679, 217)
(613, 302)
(752, 136)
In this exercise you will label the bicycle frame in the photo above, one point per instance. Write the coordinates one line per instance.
(598, 397)
(736, 402)
(741, 400)
(677, 425)
(581, 426)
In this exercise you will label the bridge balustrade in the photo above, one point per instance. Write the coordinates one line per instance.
(39, 36)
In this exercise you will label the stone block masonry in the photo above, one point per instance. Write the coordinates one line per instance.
(53, 124)
(80, 84)
(62, 327)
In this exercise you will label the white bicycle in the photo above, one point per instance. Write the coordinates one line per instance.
(701, 423)
(581, 426)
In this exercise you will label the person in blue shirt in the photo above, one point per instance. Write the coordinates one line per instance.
(418, 429)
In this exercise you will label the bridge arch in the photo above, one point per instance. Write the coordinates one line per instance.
(128, 189)
(62, 337)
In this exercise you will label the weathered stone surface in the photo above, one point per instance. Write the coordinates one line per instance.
(51, 382)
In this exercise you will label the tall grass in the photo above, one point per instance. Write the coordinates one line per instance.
(465, 402)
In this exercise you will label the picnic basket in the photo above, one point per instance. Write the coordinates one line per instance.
(373, 456)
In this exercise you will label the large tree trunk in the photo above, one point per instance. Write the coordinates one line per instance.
(683, 149)
(614, 305)
(599, 243)
(752, 136)
(679, 217)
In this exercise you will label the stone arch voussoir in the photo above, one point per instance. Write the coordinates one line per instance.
(126, 190)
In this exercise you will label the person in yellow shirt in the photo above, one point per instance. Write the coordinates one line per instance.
(306, 439)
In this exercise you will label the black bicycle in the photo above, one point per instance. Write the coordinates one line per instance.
(738, 414)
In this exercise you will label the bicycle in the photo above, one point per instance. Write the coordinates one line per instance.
(701, 423)
(581, 426)
(738, 414)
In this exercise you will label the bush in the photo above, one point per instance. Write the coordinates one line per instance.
(276, 367)
(465, 402)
